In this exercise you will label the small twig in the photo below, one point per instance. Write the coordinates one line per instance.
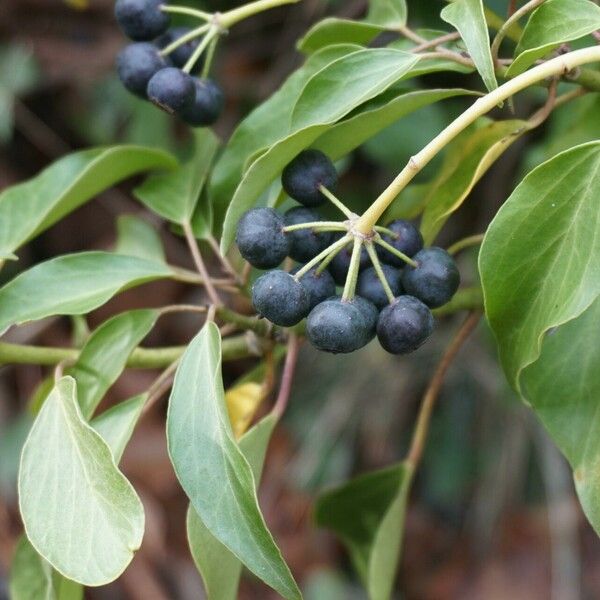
(543, 113)
(472, 240)
(195, 252)
(176, 308)
(160, 385)
(420, 433)
(287, 376)
(379, 270)
(396, 252)
(336, 201)
(438, 41)
(227, 266)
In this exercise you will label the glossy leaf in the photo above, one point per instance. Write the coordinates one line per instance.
(220, 569)
(79, 511)
(553, 23)
(389, 13)
(467, 160)
(72, 285)
(540, 260)
(174, 195)
(367, 514)
(263, 127)
(211, 468)
(468, 18)
(563, 387)
(136, 237)
(32, 577)
(327, 97)
(29, 208)
(338, 31)
(105, 354)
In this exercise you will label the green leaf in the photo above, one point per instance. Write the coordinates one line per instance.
(328, 96)
(136, 237)
(79, 511)
(540, 259)
(378, 114)
(32, 577)
(264, 126)
(211, 467)
(563, 387)
(388, 13)
(31, 207)
(468, 18)
(174, 195)
(554, 23)
(466, 161)
(116, 424)
(367, 514)
(105, 354)
(338, 31)
(72, 285)
(220, 569)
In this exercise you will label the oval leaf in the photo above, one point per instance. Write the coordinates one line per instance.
(338, 31)
(136, 237)
(29, 208)
(540, 259)
(73, 284)
(387, 13)
(211, 468)
(79, 511)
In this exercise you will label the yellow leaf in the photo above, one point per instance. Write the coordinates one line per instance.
(242, 403)
(77, 4)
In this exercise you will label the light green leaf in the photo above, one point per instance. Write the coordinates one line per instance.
(136, 237)
(174, 195)
(328, 96)
(32, 577)
(563, 387)
(211, 468)
(116, 424)
(263, 127)
(31, 207)
(338, 31)
(367, 514)
(389, 13)
(554, 23)
(540, 259)
(466, 161)
(220, 569)
(79, 511)
(468, 18)
(72, 285)
(105, 354)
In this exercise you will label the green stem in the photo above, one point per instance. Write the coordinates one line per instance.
(210, 54)
(325, 263)
(319, 257)
(206, 40)
(556, 66)
(380, 229)
(352, 275)
(336, 201)
(186, 10)
(472, 240)
(378, 269)
(259, 326)
(396, 252)
(314, 225)
(231, 17)
(186, 37)
(470, 298)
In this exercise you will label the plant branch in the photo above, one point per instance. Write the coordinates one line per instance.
(195, 252)
(236, 15)
(438, 41)
(422, 427)
(287, 377)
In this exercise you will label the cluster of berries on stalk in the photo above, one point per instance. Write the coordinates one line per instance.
(391, 299)
(162, 64)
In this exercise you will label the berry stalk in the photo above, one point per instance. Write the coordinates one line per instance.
(352, 276)
(380, 274)
(231, 17)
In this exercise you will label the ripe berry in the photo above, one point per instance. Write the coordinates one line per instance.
(305, 243)
(369, 286)
(337, 326)
(303, 176)
(207, 105)
(136, 65)
(183, 53)
(435, 280)
(370, 313)
(404, 325)
(318, 286)
(171, 89)
(277, 296)
(141, 20)
(407, 239)
(338, 267)
(260, 238)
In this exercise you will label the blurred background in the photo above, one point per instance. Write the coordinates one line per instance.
(492, 513)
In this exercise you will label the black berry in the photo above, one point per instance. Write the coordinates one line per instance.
(370, 314)
(141, 20)
(171, 89)
(277, 296)
(407, 239)
(338, 267)
(207, 105)
(137, 64)
(305, 243)
(369, 286)
(404, 325)
(183, 53)
(303, 176)
(318, 286)
(260, 238)
(434, 280)
(337, 326)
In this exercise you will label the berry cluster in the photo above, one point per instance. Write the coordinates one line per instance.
(161, 63)
(391, 299)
